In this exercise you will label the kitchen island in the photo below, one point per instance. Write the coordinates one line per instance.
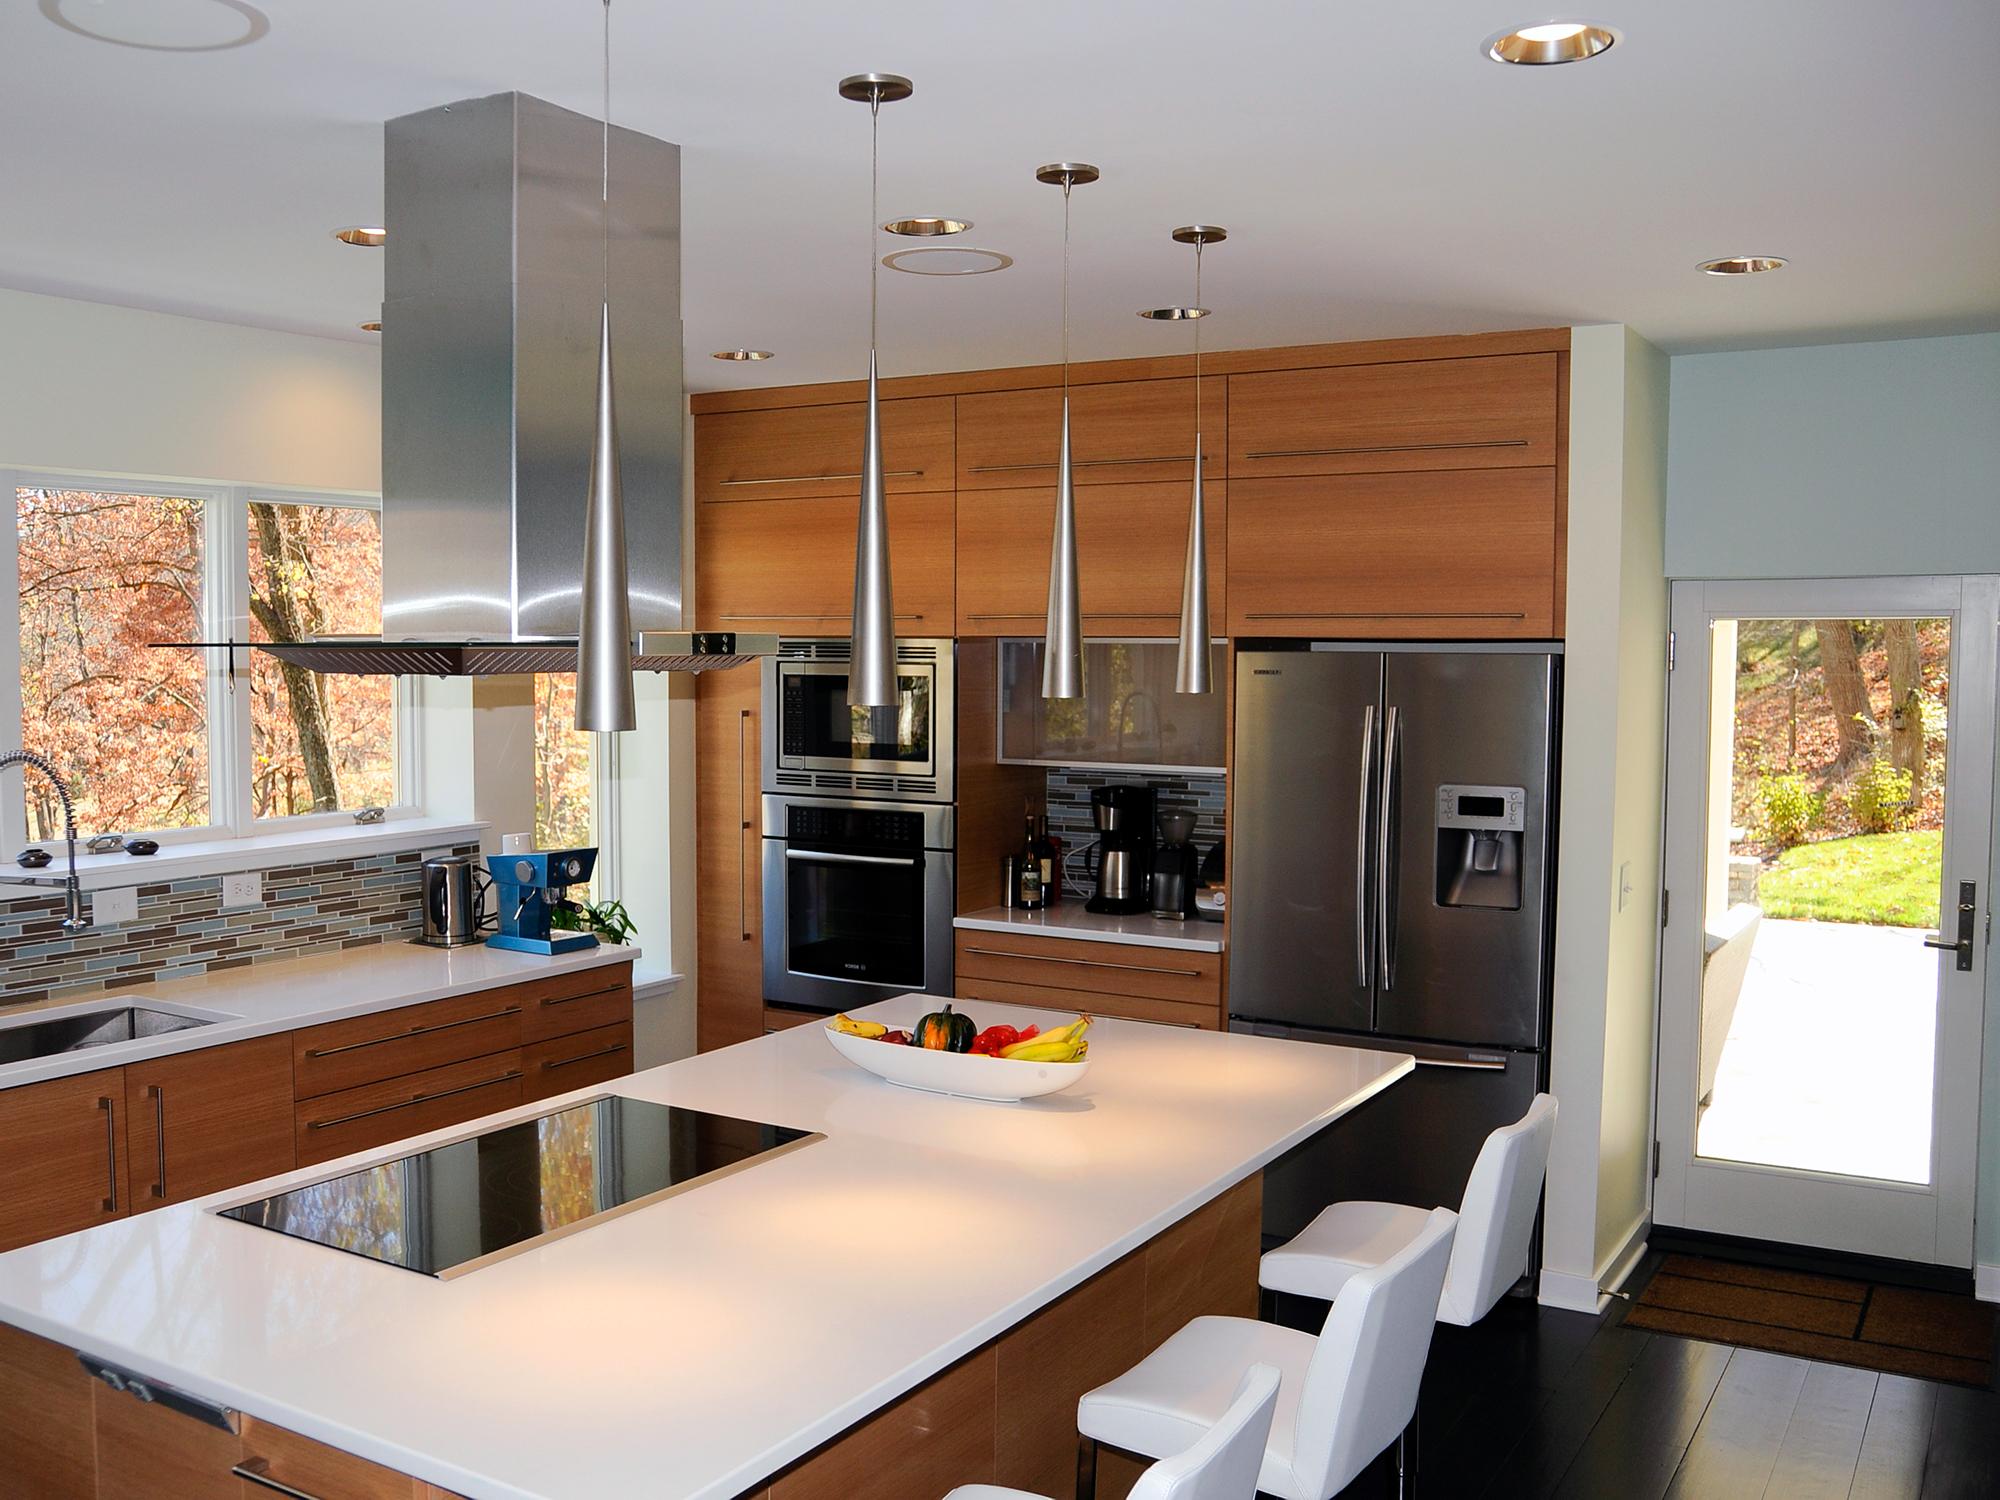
(873, 1312)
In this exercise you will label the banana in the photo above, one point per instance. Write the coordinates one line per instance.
(1070, 1033)
(853, 1027)
(1038, 1050)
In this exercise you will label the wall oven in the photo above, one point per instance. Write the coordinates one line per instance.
(857, 900)
(815, 742)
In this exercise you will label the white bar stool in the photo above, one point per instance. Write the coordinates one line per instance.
(1495, 1220)
(1222, 1465)
(1344, 1397)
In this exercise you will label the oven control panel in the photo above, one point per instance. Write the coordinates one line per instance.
(874, 827)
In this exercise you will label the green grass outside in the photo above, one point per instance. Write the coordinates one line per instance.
(1880, 879)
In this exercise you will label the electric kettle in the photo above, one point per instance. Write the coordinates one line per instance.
(454, 888)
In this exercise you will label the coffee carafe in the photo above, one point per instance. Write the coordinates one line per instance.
(1176, 868)
(1124, 819)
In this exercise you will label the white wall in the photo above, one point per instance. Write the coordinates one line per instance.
(1608, 857)
(115, 391)
(1849, 460)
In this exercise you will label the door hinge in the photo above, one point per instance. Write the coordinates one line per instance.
(1666, 903)
(1656, 1160)
(1670, 651)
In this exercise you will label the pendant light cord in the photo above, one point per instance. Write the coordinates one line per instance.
(874, 205)
(1065, 337)
(605, 185)
(1197, 352)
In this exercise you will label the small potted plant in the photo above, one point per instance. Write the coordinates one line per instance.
(608, 921)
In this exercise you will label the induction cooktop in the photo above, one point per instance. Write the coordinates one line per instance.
(460, 1206)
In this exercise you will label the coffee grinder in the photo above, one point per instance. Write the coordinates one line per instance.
(1124, 818)
(530, 888)
(1176, 868)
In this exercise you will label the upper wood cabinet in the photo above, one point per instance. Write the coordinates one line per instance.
(62, 1156)
(1467, 554)
(787, 565)
(1494, 411)
(728, 853)
(198, 1122)
(1131, 550)
(806, 452)
(1121, 432)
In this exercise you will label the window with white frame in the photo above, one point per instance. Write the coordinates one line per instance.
(181, 744)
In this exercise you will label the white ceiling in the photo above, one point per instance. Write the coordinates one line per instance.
(1378, 176)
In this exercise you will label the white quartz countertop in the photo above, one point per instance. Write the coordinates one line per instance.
(284, 995)
(693, 1347)
(1068, 919)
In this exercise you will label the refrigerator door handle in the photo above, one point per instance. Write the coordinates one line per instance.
(1361, 957)
(1385, 850)
(1472, 1064)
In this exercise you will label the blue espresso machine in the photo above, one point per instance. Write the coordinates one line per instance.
(530, 888)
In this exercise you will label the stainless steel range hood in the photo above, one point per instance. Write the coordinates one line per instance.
(494, 280)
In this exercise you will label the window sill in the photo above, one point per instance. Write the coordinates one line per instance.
(263, 851)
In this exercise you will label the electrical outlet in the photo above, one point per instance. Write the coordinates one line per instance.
(109, 908)
(239, 891)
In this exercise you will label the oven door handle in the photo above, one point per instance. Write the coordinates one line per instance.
(830, 857)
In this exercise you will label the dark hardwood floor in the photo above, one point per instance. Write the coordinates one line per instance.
(1539, 1403)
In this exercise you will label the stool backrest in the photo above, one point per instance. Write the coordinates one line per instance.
(1496, 1217)
(1224, 1465)
(1360, 1389)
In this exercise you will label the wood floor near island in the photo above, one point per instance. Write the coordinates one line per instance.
(1537, 1403)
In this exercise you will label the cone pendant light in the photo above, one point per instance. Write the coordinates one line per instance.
(1191, 662)
(1062, 640)
(871, 677)
(604, 631)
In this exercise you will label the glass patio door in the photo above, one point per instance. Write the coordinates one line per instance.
(1830, 773)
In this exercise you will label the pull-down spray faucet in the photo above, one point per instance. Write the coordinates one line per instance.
(74, 921)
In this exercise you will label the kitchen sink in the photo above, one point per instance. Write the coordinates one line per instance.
(91, 1028)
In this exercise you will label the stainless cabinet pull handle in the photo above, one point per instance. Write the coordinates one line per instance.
(158, 1094)
(1361, 964)
(1086, 463)
(1089, 614)
(383, 1109)
(377, 1041)
(1381, 614)
(829, 857)
(743, 819)
(564, 1062)
(586, 995)
(257, 1471)
(1384, 448)
(818, 478)
(110, 1109)
(1472, 1064)
(805, 617)
(1088, 963)
(1385, 869)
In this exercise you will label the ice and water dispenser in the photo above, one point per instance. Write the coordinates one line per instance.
(1479, 832)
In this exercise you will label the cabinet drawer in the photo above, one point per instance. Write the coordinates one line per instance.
(799, 452)
(1121, 432)
(279, 1457)
(390, 1043)
(1205, 1015)
(1102, 968)
(1493, 412)
(62, 1156)
(787, 564)
(198, 1122)
(1131, 547)
(397, 1108)
(574, 1062)
(569, 1003)
(784, 1018)
(1464, 554)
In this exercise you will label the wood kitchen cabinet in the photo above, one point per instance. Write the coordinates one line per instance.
(1121, 432)
(198, 1122)
(63, 1164)
(807, 452)
(1131, 549)
(1469, 553)
(1496, 411)
(1174, 986)
(728, 855)
(576, 1061)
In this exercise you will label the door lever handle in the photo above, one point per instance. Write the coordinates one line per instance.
(1968, 908)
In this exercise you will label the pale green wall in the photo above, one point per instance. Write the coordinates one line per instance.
(1847, 460)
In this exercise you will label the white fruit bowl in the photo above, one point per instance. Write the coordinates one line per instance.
(962, 1073)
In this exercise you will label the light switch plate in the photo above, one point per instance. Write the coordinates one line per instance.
(239, 891)
(1624, 884)
(110, 907)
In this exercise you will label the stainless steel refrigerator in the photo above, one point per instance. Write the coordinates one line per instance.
(1391, 886)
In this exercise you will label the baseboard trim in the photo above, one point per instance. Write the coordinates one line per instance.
(1592, 1294)
(1986, 1283)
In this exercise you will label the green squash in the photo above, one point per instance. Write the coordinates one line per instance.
(944, 1031)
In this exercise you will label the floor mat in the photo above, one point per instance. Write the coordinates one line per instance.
(1895, 1329)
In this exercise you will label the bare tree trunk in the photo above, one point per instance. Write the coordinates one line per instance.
(286, 616)
(1846, 689)
(1906, 704)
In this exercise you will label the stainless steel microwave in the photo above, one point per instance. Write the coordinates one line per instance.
(815, 742)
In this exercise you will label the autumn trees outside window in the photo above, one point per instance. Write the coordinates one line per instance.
(169, 742)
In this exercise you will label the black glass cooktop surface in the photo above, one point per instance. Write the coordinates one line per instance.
(456, 1207)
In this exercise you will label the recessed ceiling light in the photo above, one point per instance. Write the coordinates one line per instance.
(161, 25)
(1741, 265)
(924, 226)
(368, 236)
(369, 327)
(741, 354)
(1550, 42)
(1173, 314)
(948, 262)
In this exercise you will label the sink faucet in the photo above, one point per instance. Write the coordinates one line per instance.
(75, 920)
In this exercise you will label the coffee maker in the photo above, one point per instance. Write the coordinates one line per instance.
(1176, 868)
(531, 887)
(1124, 819)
